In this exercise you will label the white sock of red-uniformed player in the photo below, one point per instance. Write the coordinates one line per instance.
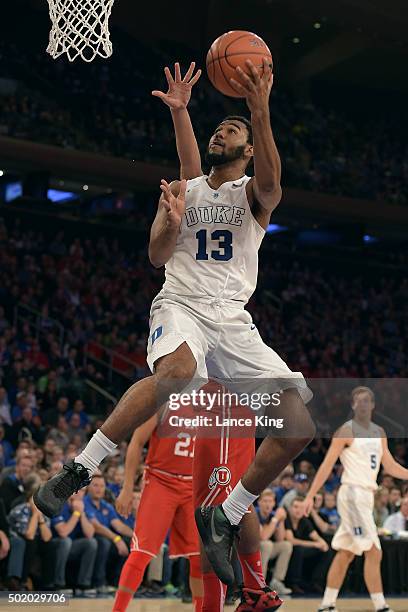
(98, 447)
(237, 503)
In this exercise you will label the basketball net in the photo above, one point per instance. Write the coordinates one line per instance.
(80, 28)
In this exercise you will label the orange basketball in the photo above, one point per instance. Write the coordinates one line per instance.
(231, 50)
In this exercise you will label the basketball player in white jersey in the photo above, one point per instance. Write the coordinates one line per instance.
(362, 447)
(207, 233)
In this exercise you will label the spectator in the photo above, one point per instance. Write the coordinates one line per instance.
(79, 408)
(398, 521)
(394, 500)
(74, 528)
(51, 416)
(309, 551)
(301, 486)
(329, 511)
(13, 486)
(28, 427)
(4, 545)
(75, 431)
(5, 415)
(319, 521)
(285, 485)
(6, 448)
(109, 530)
(273, 544)
(30, 534)
(60, 433)
(116, 484)
(381, 498)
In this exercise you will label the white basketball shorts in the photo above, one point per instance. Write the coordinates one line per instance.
(357, 531)
(223, 339)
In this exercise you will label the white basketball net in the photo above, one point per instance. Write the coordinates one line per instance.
(80, 28)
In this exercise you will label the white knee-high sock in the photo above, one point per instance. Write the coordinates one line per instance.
(237, 503)
(98, 447)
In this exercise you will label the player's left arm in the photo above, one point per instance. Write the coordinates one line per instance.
(177, 98)
(392, 467)
(264, 190)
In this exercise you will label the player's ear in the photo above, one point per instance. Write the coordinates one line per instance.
(249, 150)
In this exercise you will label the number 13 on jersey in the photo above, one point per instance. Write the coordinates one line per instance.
(224, 251)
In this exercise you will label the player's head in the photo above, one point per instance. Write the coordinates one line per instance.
(362, 402)
(267, 501)
(231, 141)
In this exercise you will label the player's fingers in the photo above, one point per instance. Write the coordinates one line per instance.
(169, 76)
(249, 83)
(189, 73)
(195, 77)
(240, 88)
(254, 72)
(159, 94)
(267, 68)
(177, 72)
(182, 192)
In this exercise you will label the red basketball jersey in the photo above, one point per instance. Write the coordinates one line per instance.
(171, 451)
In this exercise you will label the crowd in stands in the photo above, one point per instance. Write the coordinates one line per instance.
(100, 294)
(107, 107)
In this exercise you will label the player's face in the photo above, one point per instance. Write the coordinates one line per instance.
(229, 143)
(363, 405)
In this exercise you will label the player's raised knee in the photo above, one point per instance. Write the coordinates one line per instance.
(177, 368)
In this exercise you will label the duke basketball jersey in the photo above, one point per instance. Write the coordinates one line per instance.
(362, 459)
(216, 254)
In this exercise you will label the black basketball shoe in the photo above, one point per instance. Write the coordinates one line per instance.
(51, 496)
(217, 535)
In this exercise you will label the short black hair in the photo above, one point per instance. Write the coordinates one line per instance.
(243, 120)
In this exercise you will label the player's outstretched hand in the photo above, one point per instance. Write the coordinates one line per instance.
(308, 506)
(179, 92)
(124, 502)
(256, 89)
(174, 206)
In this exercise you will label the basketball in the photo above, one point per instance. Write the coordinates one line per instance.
(230, 50)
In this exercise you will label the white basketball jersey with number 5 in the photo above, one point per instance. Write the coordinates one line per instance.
(216, 254)
(362, 459)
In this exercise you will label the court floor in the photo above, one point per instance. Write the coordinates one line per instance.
(163, 605)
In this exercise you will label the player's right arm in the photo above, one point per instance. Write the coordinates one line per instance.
(140, 437)
(167, 223)
(343, 438)
(177, 99)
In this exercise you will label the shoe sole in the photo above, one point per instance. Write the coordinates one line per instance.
(211, 557)
(40, 505)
